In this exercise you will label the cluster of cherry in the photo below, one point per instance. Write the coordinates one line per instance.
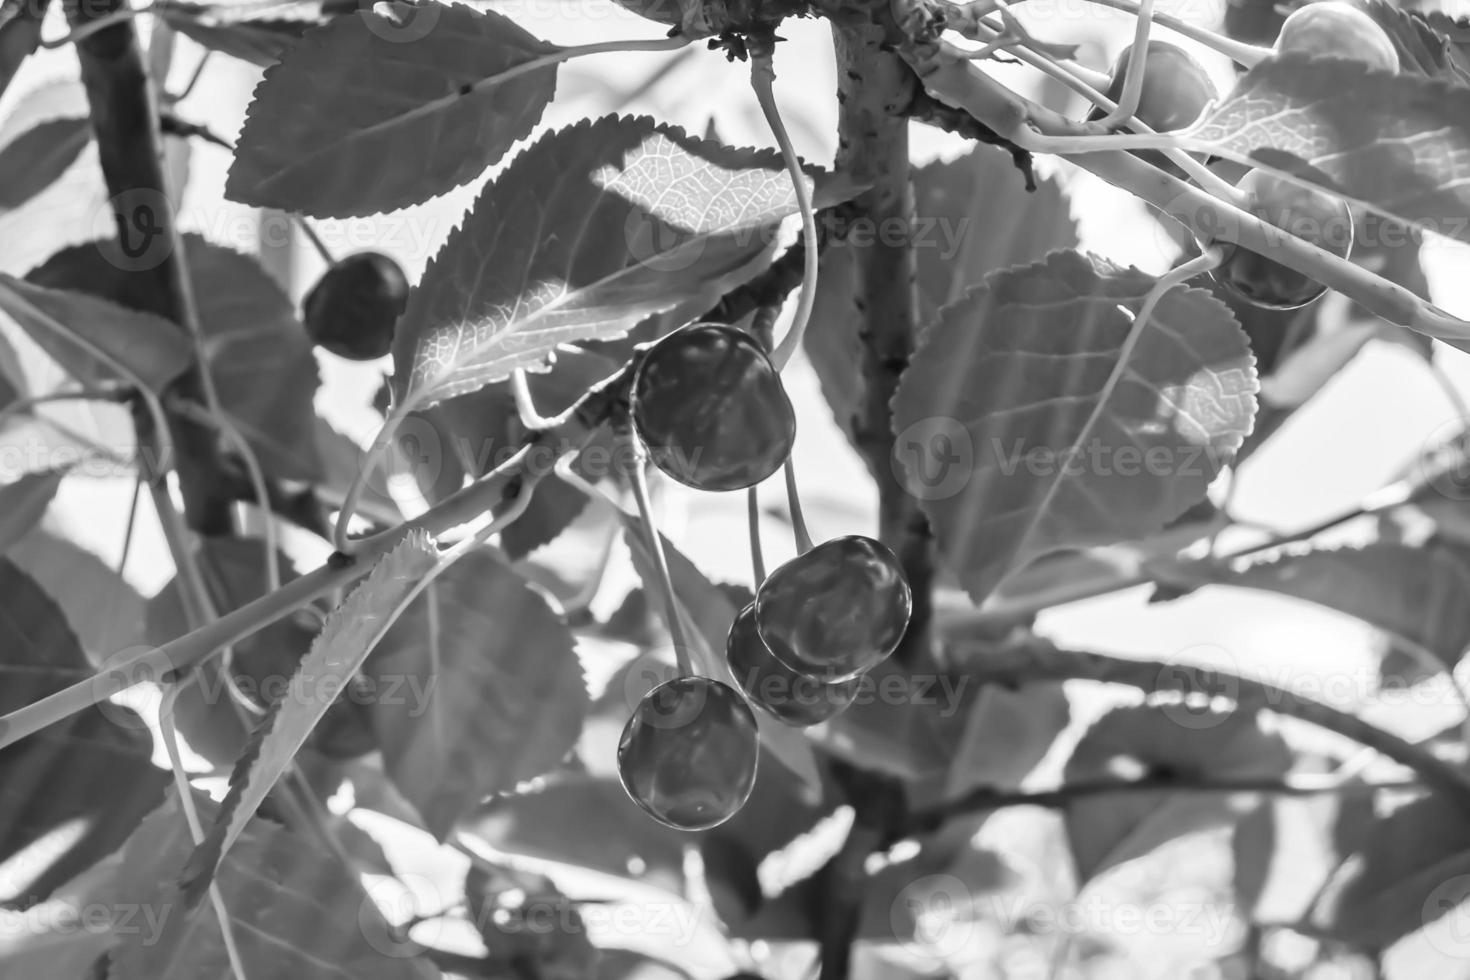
(709, 406)
(1176, 90)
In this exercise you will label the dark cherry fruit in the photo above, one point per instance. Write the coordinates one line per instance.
(688, 753)
(791, 697)
(1176, 89)
(1312, 215)
(1333, 29)
(352, 309)
(836, 611)
(709, 405)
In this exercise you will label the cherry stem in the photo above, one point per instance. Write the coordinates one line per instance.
(127, 545)
(520, 385)
(1133, 75)
(762, 77)
(309, 231)
(798, 520)
(753, 518)
(656, 545)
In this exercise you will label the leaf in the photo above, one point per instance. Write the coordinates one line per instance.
(23, 503)
(234, 571)
(961, 232)
(335, 656)
(486, 691)
(104, 611)
(258, 352)
(1018, 440)
(1190, 744)
(1006, 734)
(86, 780)
(1414, 594)
(69, 326)
(1420, 49)
(1410, 870)
(20, 35)
(586, 233)
(32, 161)
(712, 613)
(236, 30)
(1397, 144)
(294, 911)
(403, 110)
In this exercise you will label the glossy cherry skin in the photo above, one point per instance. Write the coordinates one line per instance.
(709, 405)
(794, 698)
(1309, 214)
(1333, 29)
(354, 306)
(1176, 89)
(688, 754)
(836, 611)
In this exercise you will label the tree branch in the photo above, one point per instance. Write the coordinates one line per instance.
(125, 120)
(1031, 663)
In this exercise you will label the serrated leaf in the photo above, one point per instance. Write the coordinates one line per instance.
(258, 352)
(1018, 438)
(104, 611)
(32, 161)
(586, 233)
(335, 656)
(1397, 144)
(1191, 744)
(237, 30)
(712, 613)
(486, 690)
(70, 325)
(90, 776)
(1415, 594)
(1410, 870)
(403, 111)
(294, 910)
(972, 217)
(1420, 49)
(23, 502)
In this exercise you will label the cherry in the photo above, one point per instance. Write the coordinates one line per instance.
(688, 754)
(794, 698)
(709, 405)
(1312, 215)
(1176, 89)
(835, 611)
(1334, 29)
(352, 309)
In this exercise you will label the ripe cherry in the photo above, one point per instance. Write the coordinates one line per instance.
(352, 309)
(1334, 29)
(794, 698)
(1312, 215)
(1176, 89)
(709, 405)
(835, 611)
(688, 753)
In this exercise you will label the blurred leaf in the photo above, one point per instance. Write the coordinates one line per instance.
(1285, 850)
(23, 503)
(409, 101)
(73, 791)
(528, 925)
(33, 160)
(257, 350)
(294, 910)
(961, 232)
(69, 326)
(104, 610)
(335, 656)
(590, 230)
(480, 690)
(1412, 868)
(20, 35)
(1007, 732)
(1398, 144)
(237, 30)
(1188, 744)
(234, 571)
(1022, 434)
